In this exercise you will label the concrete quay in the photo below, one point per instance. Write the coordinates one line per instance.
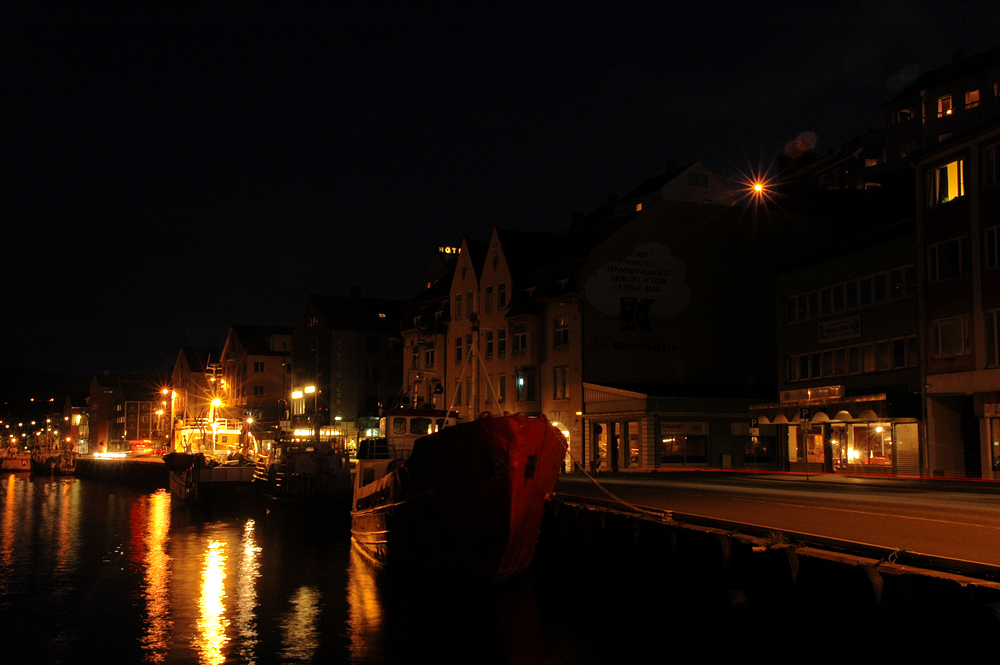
(752, 579)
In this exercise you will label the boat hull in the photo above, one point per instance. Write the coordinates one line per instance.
(18, 462)
(468, 503)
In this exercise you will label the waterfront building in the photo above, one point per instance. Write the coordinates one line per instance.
(256, 379)
(638, 331)
(197, 403)
(347, 362)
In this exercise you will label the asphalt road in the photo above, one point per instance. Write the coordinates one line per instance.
(954, 520)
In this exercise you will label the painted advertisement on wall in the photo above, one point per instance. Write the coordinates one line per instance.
(647, 284)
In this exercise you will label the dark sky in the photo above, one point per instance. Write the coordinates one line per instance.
(169, 171)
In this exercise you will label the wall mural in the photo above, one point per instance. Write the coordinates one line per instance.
(648, 281)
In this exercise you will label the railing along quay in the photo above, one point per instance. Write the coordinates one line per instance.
(757, 567)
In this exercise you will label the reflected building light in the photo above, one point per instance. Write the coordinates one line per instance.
(156, 641)
(8, 523)
(364, 622)
(300, 629)
(246, 593)
(212, 622)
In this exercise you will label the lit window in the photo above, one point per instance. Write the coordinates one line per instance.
(944, 106)
(525, 384)
(950, 337)
(871, 161)
(638, 207)
(972, 99)
(946, 183)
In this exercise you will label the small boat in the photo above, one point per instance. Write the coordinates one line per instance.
(305, 475)
(198, 478)
(464, 501)
(12, 459)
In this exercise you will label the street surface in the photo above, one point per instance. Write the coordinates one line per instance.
(954, 520)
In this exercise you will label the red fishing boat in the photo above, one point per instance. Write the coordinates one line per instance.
(460, 501)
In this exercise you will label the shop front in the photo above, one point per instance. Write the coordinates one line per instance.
(824, 431)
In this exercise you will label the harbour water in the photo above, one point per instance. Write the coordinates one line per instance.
(98, 572)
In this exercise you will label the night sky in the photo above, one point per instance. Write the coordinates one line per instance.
(169, 171)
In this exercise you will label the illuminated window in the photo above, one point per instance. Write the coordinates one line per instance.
(638, 207)
(946, 183)
(948, 259)
(950, 337)
(944, 106)
(871, 161)
(904, 115)
(972, 99)
(525, 385)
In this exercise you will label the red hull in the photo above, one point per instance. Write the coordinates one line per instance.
(468, 502)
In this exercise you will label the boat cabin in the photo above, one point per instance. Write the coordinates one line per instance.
(399, 429)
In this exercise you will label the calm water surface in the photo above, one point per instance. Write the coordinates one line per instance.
(96, 572)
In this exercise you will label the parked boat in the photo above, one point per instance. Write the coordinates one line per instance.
(306, 475)
(462, 501)
(53, 457)
(12, 459)
(195, 477)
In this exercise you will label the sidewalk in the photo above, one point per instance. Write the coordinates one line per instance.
(981, 485)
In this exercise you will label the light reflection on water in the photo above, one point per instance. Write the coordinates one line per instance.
(92, 571)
